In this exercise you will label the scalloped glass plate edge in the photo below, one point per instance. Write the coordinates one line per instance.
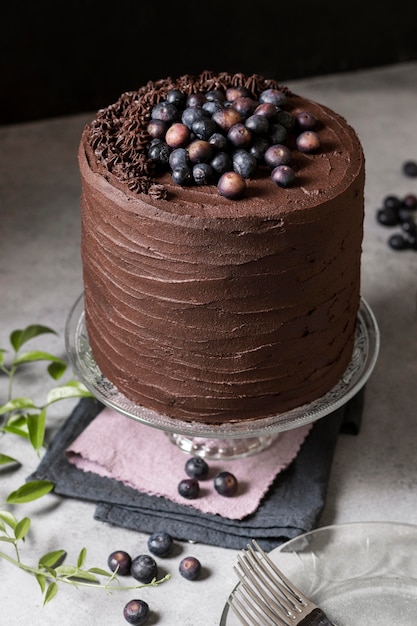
(356, 375)
(360, 573)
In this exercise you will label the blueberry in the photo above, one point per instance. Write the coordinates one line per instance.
(175, 96)
(203, 174)
(410, 201)
(178, 158)
(258, 124)
(398, 242)
(283, 176)
(305, 120)
(121, 561)
(211, 106)
(182, 175)
(144, 568)
(274, 96)
(277, 154)
(231, 185)
(189, 488)
(159, 152)
(392, 202)
(195, 100)
(165, 111)
(190, 568)
(177, 135)
(225, 483)
(160, 543)
(136, 612)
(199, 151)
(245, 106)
(157, 128)
(409, 226)
(258, 148)
(215, 95)
(244, 163)
(387, 216)
(240, 136)
(218, 141)
(285, 119)
(191, 115)
(226, 118)
(232, 93)
(308, 141)
(221, 163)
(197, 467)
(410, 168)
(268, 110)
(204, 128)
(278, 133)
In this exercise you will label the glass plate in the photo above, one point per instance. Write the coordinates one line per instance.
(361, 574)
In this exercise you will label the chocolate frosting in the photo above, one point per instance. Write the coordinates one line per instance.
(212, 310)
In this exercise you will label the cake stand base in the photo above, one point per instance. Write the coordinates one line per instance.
(227, 440)
(222, 448)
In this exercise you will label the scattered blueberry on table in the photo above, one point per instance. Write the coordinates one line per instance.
(189, 488)
(144, 568)
(136, 612)
(190, 568)
(120, 560)
(226, 484)
(401, 212)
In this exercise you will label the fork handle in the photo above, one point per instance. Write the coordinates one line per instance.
(316, 618)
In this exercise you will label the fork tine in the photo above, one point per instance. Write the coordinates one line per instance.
(255, 617)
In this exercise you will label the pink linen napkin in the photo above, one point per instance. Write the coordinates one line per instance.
(145, 459)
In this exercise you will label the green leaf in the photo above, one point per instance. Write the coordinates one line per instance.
(17, 404)
(36, 427)
(9, 518)
(37, 355)
(19, 337)
(100, 571)
(57, 369)
(51, 559)
(2, 353)
(30, 491)
(51, 592)
(22, 528)
(81, 557)
(72, 389)
(8, 539)
(5, 460)
(41, 581)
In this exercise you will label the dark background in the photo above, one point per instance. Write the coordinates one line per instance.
(58, 59)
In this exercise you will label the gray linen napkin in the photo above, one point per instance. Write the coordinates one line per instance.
(291, 507)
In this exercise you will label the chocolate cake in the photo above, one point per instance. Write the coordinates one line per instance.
(210, 305)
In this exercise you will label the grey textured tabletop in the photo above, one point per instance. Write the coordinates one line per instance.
(374, 475)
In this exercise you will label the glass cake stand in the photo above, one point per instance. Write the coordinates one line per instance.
(235, 439)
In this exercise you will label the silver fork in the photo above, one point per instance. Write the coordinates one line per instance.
(266, 597)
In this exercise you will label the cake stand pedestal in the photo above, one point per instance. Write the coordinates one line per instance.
(231, 440)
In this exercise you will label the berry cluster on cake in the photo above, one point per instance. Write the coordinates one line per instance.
(222, 225)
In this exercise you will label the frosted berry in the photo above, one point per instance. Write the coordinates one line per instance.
(197, 467)
(232, 93)
(278, 154)
(195, 100)
(191, 115)
(218, 141)
(144, 568)
(215, 95)
(136, 612)
(175, 96)
(283, 176)
(120, 560)
(204, 128)
(410, 168)
(308, 141)
(258, 148)
(178, 158)
(190, 568)
(231, 185)
(182, 175)
(226, 484)
(160, 544)
(159, 152)
(278, 133)
(245, 106)
(189, 488)
(267, 109)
